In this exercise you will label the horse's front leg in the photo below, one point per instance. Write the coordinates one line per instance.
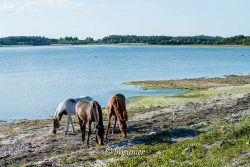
(89, 132)
(82, 127)
(109, 117)
(83, 130)
(67, 125)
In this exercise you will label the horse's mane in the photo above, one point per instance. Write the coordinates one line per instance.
(60, 111)
(72, 100)
(60, 114)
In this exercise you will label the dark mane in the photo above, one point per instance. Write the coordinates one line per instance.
(64, 112)
(72, 100)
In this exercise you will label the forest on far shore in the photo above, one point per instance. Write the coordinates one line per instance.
(116, 39)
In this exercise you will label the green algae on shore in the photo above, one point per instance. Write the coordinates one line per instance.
(196, 83)
(203, 89)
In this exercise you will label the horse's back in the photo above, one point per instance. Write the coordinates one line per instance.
(81, 105)
(69, 104)
(117, 100)
(86, 98)
(62, 105)
(83, 108)
(116, 97)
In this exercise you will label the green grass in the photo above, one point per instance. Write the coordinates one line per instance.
(142, 103)
(196, 83)
(80, 159)
(198, 89)
(208, 151)
(165, 154)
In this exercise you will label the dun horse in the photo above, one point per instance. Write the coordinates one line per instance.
(67, 107)
(117, 107)
(88, 112)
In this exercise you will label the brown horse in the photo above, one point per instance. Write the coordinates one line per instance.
(90, 111)
(116, 106)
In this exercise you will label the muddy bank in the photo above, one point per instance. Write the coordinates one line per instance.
(190, 113)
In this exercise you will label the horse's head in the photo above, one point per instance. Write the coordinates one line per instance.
(123, 127)
(100, 134)
(56, 125)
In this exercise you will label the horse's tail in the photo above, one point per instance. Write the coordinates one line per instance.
(118, 110)
(98, 114)
(123, 106)
(125, 115)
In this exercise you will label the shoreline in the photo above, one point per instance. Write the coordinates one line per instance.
(125, 44)
(188, 87)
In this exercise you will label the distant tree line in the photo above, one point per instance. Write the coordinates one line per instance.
(116, 39)
(25, 40)
(162, 40)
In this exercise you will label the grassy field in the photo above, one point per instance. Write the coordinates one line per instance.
(216, 148)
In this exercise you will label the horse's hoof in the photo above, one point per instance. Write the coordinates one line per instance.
(54, 132)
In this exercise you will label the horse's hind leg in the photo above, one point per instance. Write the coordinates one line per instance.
(114, 126)
(89, 132)
(109, 117)
(67, 125)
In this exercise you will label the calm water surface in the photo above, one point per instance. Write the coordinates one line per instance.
(33, 80)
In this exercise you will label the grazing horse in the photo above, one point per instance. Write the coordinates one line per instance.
(90, 111)
(116, 106)
(66, 107)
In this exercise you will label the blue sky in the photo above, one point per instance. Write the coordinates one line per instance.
(98, 18)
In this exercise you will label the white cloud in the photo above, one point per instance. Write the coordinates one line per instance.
(19, 6)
